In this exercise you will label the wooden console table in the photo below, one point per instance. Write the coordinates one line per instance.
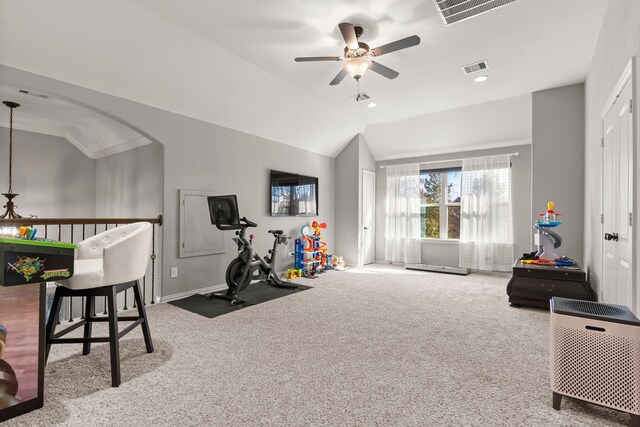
(534, 285)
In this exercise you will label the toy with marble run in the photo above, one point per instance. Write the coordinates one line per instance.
(311, 253)
(546, 240)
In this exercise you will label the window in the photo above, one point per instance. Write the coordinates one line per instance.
(440, 203)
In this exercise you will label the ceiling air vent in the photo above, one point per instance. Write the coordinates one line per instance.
(453, 11)
(475, 67)
(39, 95)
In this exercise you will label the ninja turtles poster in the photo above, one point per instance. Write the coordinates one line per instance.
(23, 267)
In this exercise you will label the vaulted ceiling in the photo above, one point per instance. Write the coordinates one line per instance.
(231, 62)
(93, 133)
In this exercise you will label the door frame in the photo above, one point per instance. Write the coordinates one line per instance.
(373, 234)
(628, 76)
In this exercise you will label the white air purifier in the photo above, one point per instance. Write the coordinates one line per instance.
(595, 355)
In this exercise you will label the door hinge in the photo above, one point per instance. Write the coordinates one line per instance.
(601, 218)
(602, 142)
(630, 219)
(630, 106)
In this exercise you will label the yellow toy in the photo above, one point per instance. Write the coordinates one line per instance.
(292, 273)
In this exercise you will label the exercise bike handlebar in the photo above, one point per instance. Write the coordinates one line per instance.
(224, 227)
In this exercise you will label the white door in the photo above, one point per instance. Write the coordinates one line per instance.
(368, 216)
(617, 283)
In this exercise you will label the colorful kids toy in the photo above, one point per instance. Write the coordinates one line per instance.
(546, 240)
(292, 273)
(316, 228)
(311, 254)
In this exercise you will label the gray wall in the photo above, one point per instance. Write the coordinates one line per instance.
(619, 41)
(448, 252)
(350, 163)
(129, 184)
(52, 177)
(558, 161)
(203, 156)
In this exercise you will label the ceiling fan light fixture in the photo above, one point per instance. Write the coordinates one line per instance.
(357, 66)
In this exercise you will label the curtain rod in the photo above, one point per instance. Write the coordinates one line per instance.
(447, 160)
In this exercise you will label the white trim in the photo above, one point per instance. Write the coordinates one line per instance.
(125, 146)
(141, 141)
(79, 146)
(487, 146)
(430, 162)
(626, 75)
(180, 295)
(440, 241)
(43, 131)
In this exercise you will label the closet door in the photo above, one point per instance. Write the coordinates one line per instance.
(617, 283)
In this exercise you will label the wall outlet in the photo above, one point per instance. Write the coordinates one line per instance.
(290, 255)
(174, 272)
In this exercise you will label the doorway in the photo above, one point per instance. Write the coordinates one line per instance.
(617, 286)
(368, 216)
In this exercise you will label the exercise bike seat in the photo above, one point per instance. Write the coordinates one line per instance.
(276, 233)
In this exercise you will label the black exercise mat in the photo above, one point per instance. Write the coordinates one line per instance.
(256, 293)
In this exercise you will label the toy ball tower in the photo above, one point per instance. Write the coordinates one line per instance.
(311, 255)
(546, 240)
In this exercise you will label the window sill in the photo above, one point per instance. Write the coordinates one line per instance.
(440, 241)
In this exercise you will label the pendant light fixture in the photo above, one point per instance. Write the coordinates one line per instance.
(10, 213)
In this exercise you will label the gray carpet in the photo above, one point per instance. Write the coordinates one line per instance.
(375, 346)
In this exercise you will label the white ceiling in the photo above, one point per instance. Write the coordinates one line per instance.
(493, 124)
(231, 62)
(95, 134)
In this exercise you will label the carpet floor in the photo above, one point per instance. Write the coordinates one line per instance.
(376, 346)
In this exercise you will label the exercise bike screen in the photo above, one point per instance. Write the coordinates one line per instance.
(224, 209)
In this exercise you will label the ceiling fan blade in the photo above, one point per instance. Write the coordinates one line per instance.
(349, 35)
(396, 45)
(384, 71)
(337, 79)
(317, 58)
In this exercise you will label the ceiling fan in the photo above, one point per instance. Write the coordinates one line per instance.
(359, 58)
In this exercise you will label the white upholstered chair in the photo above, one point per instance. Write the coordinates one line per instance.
(106, 264)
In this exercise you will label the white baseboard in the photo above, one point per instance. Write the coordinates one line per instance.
(208, 289)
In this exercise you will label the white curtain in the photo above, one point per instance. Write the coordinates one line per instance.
(402, 237)
(486, 229)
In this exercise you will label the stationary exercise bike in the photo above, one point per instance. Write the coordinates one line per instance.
(249, 265)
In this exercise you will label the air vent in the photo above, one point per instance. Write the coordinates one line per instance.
(39, 95)
(453, 11)
(475, 67)
(361, 96)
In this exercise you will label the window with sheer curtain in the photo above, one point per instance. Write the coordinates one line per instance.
(403, 231)
(486, 228)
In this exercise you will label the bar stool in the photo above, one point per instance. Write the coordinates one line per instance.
(107, 264)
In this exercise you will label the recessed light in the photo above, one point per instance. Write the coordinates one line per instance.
(480, 79)
(372, 105)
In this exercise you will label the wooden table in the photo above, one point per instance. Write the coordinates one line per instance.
(534, 285)
(26, 266)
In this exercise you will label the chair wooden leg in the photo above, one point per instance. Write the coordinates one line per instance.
(143, 315)
(113, 337)
(88, 310)
(54, 316)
